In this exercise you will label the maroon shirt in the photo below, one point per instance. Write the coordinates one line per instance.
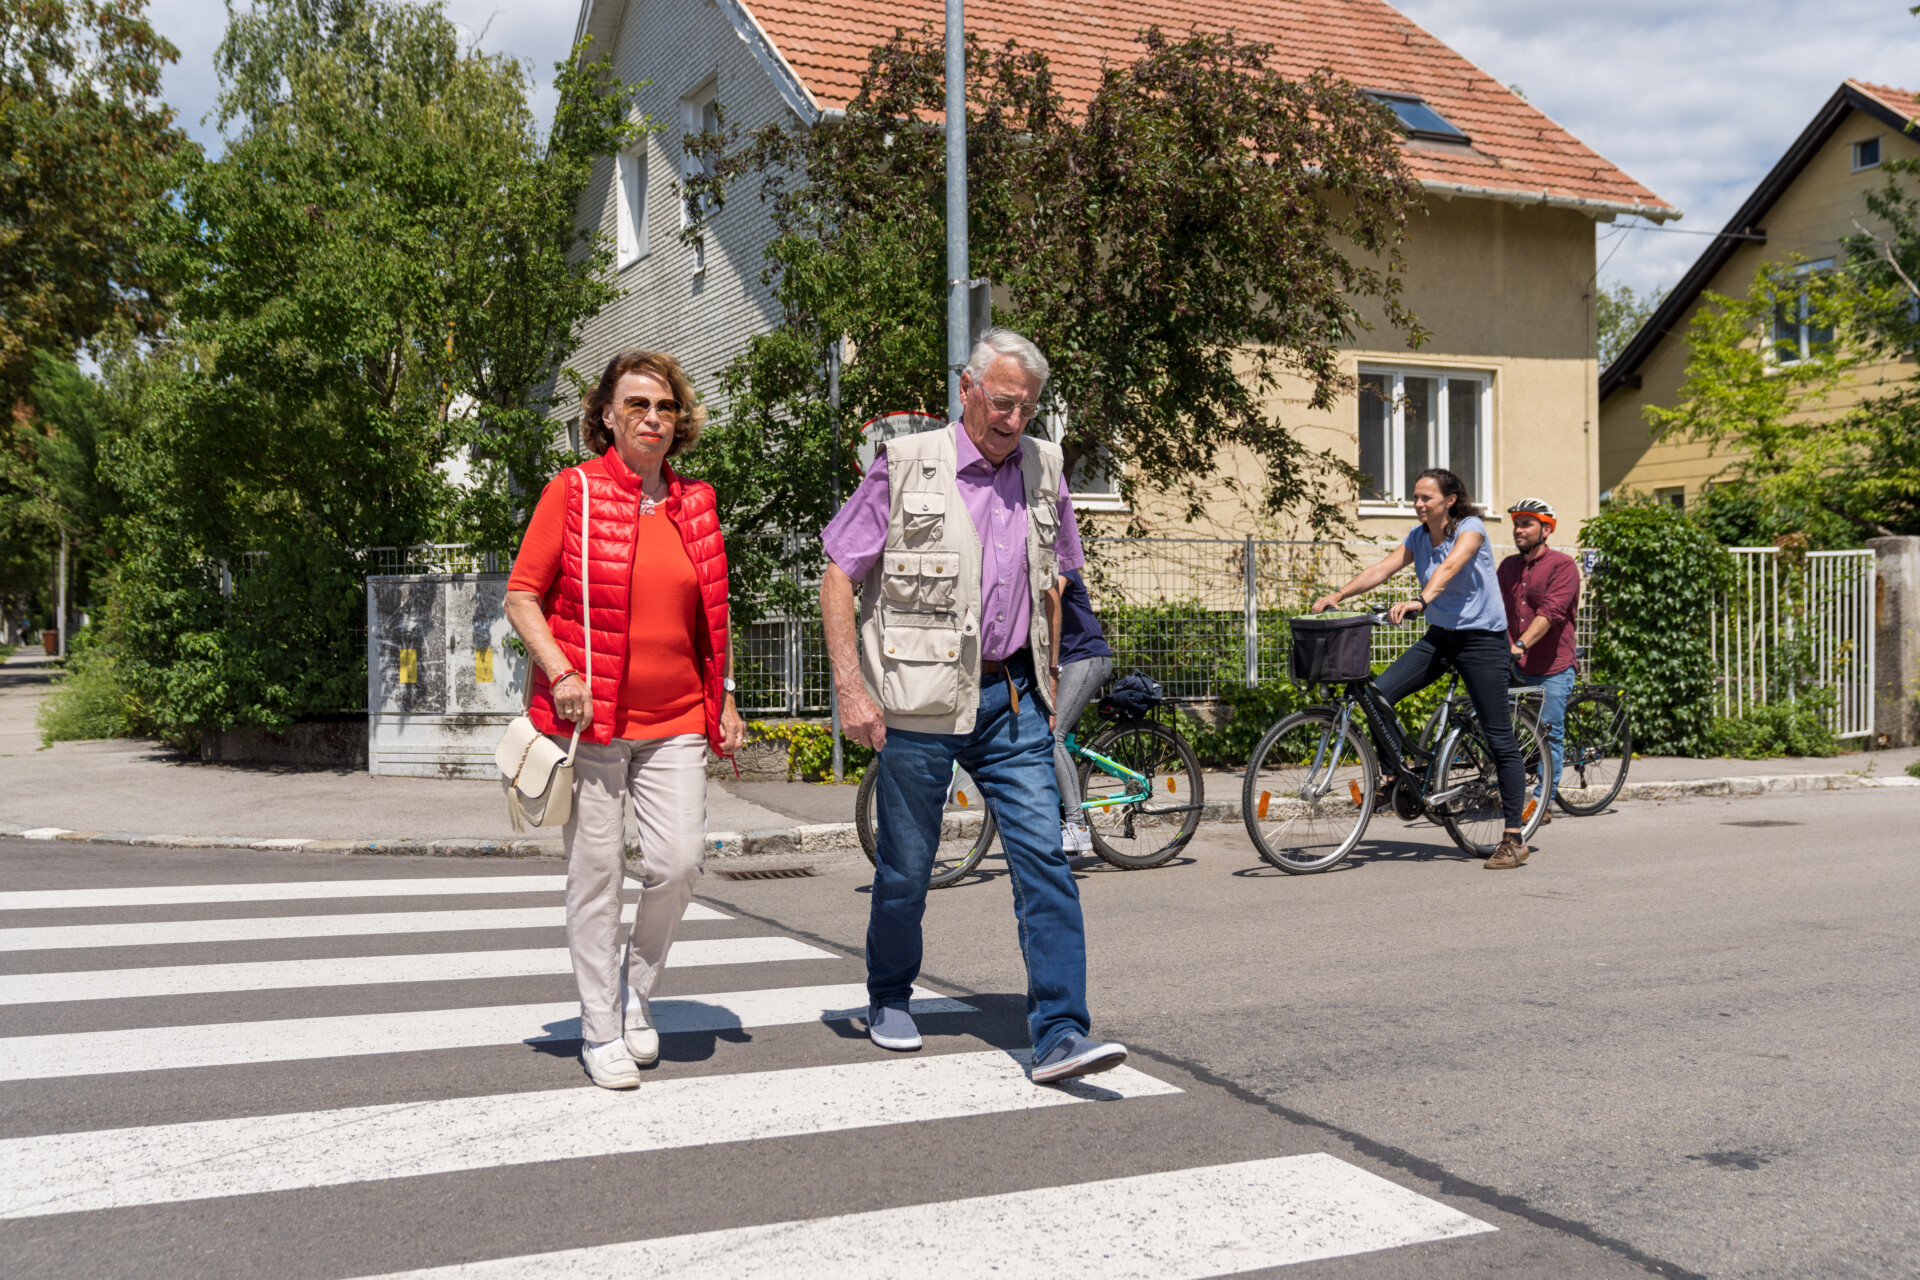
(1547, 587)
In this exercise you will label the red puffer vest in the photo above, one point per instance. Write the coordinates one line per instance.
(613, 494)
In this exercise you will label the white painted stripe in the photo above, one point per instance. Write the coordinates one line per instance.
(347, 971)
(117, 1168)
(43, 833)
(1193, 1223)
(147, 1049)
(176, 895)
(60, 937)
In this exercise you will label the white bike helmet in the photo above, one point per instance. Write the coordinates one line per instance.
(1537, 509)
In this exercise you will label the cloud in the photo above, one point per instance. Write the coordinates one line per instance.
(1696, 100)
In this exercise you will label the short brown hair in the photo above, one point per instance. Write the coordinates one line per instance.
(594, 431)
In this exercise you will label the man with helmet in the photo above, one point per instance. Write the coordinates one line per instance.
(1541, 589)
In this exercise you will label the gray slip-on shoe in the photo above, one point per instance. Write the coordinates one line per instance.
(891, 1027)
(1078, 1056)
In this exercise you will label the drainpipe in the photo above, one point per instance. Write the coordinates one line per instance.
(60, 605)
(957, 272)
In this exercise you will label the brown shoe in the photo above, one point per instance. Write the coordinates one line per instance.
(1510, 854)
(1546, 817)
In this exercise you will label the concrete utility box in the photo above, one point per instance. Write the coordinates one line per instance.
(442, 684)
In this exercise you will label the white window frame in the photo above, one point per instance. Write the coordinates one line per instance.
(1805, 330)
(1879, 152)
(1393, 502)
(630, 208)
(1053, 421)
(694, 118)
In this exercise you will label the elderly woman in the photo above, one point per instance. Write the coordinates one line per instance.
(661, 685)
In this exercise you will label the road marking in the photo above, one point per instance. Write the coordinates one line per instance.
(178, 895)
(145, 1049)
(346, 971)
(60, 937)
(250, 1155)
(1193, 1223)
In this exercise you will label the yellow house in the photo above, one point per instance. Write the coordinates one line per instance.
(1813, 198)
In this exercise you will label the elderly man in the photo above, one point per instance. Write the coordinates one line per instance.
(956, 537)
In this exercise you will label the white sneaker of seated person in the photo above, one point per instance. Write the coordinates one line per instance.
(609, 1065)
(643, 1041)
(1075, 838)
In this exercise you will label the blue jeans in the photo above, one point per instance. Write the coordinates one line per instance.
(1011, 758)
(1558, 688)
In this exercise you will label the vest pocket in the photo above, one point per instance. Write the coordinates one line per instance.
(920, 670)
(921, 580)
(923, 516)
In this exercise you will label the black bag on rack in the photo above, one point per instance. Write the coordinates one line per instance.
(1332, 648)
(1132, 696)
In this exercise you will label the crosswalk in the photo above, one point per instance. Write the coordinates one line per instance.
(142, 1106)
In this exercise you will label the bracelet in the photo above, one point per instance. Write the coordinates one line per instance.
(557, 680)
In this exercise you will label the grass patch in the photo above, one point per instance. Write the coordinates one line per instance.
(1913, 768)
(90, 701)
(6, 651)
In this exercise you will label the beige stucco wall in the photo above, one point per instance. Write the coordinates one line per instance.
(1503, 290)
(1806, 221)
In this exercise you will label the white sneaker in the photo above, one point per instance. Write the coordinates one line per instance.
(643, 1042)
(609, 1066)
(1075, 838)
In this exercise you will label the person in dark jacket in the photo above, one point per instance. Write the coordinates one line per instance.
(1086, 663)
(1540, 588)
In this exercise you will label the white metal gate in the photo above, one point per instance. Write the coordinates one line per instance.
(1815, 613)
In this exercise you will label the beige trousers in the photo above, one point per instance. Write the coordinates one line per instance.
(666, 779)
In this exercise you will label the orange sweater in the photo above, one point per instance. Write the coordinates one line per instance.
(660, 690)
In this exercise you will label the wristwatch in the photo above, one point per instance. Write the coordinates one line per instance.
(726, 682)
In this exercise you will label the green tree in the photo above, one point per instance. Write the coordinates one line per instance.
(378, 277)
(1203, 231)
(1618, 314)
(87, 154)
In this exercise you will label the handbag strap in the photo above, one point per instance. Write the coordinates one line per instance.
(586, 608)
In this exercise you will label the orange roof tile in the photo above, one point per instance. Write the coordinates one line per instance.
(1517, 152)
(1902, 101)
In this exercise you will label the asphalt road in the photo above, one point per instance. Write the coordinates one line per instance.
(1666, 1045)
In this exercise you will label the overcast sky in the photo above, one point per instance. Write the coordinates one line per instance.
(1695, 98)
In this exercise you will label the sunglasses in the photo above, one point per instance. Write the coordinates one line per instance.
(639, 406)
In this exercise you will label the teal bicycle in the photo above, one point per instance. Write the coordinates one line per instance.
(1143, 790)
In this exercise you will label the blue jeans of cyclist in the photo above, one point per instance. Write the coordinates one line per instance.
(1555, 690)
(1079, 681)
(1010, 756)
(1482, 659)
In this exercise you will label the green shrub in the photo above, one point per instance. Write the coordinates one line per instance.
(810, 748)
(92, 700)
(1657, 588)
(1913, 768)
(1780, 729)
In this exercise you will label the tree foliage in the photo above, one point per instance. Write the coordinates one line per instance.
(1618, 314)
(87, 153)
(1658, 584)
(372, 286)
(1202, 230)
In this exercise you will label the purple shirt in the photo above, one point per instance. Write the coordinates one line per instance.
(996, 502)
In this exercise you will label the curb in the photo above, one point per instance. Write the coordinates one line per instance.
(828, 842)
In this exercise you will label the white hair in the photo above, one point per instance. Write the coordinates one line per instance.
(995, 343)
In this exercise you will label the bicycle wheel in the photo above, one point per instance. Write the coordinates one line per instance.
(1307, 798)
(1475, 817)
(1597, 750)
(1138, 824)
(966, 829)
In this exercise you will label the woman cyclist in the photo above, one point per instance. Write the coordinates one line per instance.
(1466, 627)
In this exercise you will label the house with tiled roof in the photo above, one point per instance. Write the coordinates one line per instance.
(1501, 261)
(1810, 200)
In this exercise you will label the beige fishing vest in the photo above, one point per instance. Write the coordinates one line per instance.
(920, 603)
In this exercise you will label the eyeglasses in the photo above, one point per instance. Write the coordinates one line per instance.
(1013, 404)
(638, 407)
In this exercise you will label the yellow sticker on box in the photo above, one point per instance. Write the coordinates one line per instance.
(483, 666)
(409, 666)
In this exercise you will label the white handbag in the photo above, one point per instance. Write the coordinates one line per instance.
(535, 773)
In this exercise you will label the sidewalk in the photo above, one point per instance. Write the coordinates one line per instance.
(133, 790)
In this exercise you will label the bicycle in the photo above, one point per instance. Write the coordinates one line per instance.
(1596, 744)
(1128, 763)
(1313, 782)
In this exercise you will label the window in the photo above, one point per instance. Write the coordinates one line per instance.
(630, 199)
(573, 435)
(1866, 154)
(1419, 120)
(1675, 497)
(1411, 420)
(1795, 336)
(699, 114)
(1093, 485)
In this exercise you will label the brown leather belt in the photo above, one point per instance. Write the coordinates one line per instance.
(1005, 666)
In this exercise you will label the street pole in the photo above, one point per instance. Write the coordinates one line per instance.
(833, 692)
(60, 605)
(957, 271)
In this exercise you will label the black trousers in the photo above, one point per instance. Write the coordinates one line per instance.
(1482, 658)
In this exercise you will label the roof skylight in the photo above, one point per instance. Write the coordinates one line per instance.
(1418, 119)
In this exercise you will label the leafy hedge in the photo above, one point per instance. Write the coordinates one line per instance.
(1657, 586)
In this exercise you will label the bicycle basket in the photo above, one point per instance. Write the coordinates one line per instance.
(1331, 648)
(1132, 697)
